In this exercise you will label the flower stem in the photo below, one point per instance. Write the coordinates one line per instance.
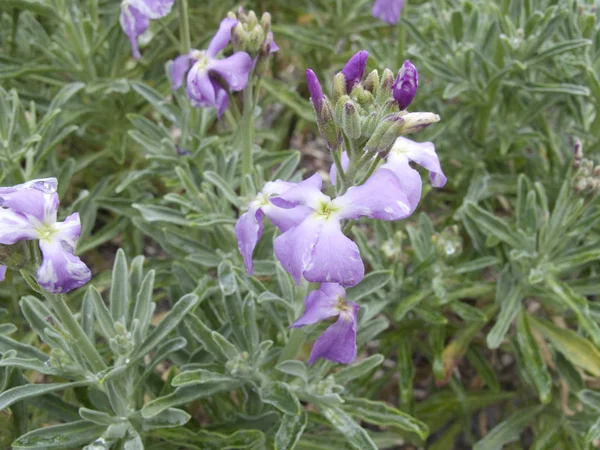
(340, 170)
(371, 169)
(66, 317)
(247, 131)
(184, 25)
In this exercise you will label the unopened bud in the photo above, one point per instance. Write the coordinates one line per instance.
(256, 37)
(578, 150)
(587, 167)
(369, 124)
(339, 87)
(389, 107)
(417, 121)
(339, 108)
(265, 22)
(355, 68)
(364, 98)
(385, 134)
(251, 20)
(314, 87)
(241, 14)
(385, 87)
(327, 126)
(231, 15)
(404, 88)
(372, 83)
(239, 37)
(351, 120)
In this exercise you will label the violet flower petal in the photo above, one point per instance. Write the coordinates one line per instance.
(133, 23)
(153, 9)
(199, 86)
(380, 197)
(2, 272)
(355, 68)
(222, 37)
(221, 98)
(333, 170)
(248, 230)
(338, 342)
(388, 10)
(35, 205)
(409, 179)
(314, 87)
(307, 192)
(405, 87)
(15, 227)
(423, 153)
(273, 45)
(179, 68)
(319, 305)
(284, 219)
(235, 69)
(334, 258)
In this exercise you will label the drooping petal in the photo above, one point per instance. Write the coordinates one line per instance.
(409, 178)
(335, 258)
(153, 9)
(355, 68)
(380, 197)
(388, 10)
(319, 305)
(307, 192)
(272, 44)
(221, 98)
(283, 218)
(37, 200)
(179, 68)
(2, 272)
(276, 187)
(333, 170)
(248, 231)
(15, 227)
(235, 69)
(423, 153)
(294, 248)
(222, 37)
(199, 86)
(338, 342)
(61, 271)
(133, 22)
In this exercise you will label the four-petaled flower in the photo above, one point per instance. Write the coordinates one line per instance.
(317, 248)
(204, 79)
(338, 342)
(388, 10)
(28, 211)
(135, 18)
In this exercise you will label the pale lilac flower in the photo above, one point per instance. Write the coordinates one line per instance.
(405, 87)
(28, 211)
(135, 15)
(355, 68)
(249, 226)
(2, 272)
(317, 248)
(388, 10)
(203, 87)
(338, 342)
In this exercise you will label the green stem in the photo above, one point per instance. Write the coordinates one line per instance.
(66, 317)
(371, 169)
(247, 131)
(184, 25)
(340, 171)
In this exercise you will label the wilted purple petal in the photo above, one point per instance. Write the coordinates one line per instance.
(273, 47)
(307, 192)
(388, 10)
(355, 68)
(294, 248)
(248, 231)
(405, 87)
(333, 169)
(314, 87)
(133, 22)
(334, 258)
(423, 153)
(338, 342)
(153, 9)
(179, 68)
(380, 197)
(234, 69)
(222, 37)
(2, 272)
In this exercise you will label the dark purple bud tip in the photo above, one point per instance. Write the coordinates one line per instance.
(314, 87)
(182, 151)
(405, 87)
(355, 68)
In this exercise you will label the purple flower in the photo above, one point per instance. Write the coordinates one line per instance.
(249, 226)
(405, 87)
(355, 68)
(316, 248)
(388, 10)
(28, 211)
(135, 15)
(2, 272)
(338, 342)
(314, 87)
(203, 80)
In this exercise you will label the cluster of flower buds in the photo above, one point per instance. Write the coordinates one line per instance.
(371, 112)
(448, 243)
(586, 179)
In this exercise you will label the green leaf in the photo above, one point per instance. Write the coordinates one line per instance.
(532, 356)
(216, 180)
(203, 335)
(508, 296)
(379, 413)
(287, 167)
(493, 225)
(508, 431)
(232, 302)
(281, 397)
(171, 418)
(199, 376)
(26, 391)
(29, 364)
(103, 317)
(357, 370)
(590, 398)
(74, 434)
(99, 417)
(119, 289)
(156, 213)
(356, 436)
(290, 430)
(209, 440)
(371, 283)
(144, 306)
(294, 368)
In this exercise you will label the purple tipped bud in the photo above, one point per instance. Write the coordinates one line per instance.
(405, 87)
(355, 68)
(314, 87)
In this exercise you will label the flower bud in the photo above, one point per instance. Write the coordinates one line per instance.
(251, 20)
(364, 98)
(404, 88)
(385, 88)
(369, 124)
(241, 14)
(327, 126)
(385, 134)
(416, 121)
(389, 107)
(355, 68)
(351, 120)
(265, 22)
(239, 37)
(372, 83)
(339, 108)
(339, 87)
(314, 87)
(256, 37)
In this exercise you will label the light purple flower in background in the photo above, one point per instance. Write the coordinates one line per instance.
(405, 87)
(203, 87)
(135, 15)
(338, 342)
(2, 272)
(355, 68)
(317, 248)
(388, 10)
(28, 211)
(249, 226)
